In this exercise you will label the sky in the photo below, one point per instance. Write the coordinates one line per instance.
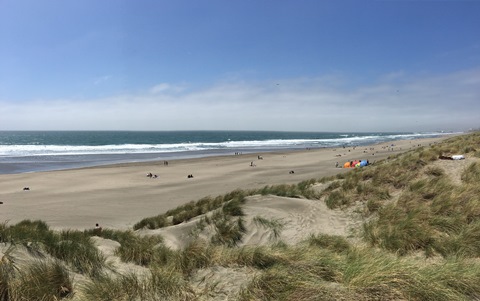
(283, 65)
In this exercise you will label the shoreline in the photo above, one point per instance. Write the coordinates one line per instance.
(119, 195)
(49, 157)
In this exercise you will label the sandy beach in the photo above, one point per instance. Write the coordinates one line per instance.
(118, 196)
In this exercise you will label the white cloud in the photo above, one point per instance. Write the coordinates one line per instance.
(444, 102)
(101, 79)
(166, 88)
(159, 88)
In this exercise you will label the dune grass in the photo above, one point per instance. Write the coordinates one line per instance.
(38, 279)
(73, 247)
(207, 204)
(361, 274)
(188, 211)
(158, 284)
(275, 226)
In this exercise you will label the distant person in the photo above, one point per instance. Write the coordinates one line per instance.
(97, 230)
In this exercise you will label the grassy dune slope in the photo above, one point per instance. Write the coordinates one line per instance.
(418, 239)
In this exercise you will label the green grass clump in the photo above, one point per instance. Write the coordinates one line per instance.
(143, 250)
(331, 242)
(8, 269)
(302, 189)
(190, 210)
(234, 207)
(336, 199)
(451, 280)
(197, 254)
(399, 231)
(373, 205)
(228, 231)
(25, 231)
(158, 284)
(274, 225)
(36, 280)
(312, 273)
(43, 280)
(471, 174)
(73, 247)
(154, 222)
(284, 190)
(78, 250)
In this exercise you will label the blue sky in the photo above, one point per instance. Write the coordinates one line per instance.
(391, 65)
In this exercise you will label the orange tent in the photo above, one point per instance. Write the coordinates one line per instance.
(346, 165)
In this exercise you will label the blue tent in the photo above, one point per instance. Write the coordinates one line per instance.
(363, 163)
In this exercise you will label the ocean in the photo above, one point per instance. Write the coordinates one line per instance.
(33, 151)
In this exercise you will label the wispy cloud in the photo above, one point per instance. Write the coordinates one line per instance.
(166, 87)
(101, 79)
(159, 88)
(396, 102)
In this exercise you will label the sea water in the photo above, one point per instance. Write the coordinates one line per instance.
(31, 151)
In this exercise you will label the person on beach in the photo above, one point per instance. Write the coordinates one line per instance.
(97, 230)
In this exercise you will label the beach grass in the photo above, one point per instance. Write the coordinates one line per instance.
(71, 246)
(275, 226)
(40, 279)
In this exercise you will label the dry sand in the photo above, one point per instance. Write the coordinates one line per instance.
(118, 196)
